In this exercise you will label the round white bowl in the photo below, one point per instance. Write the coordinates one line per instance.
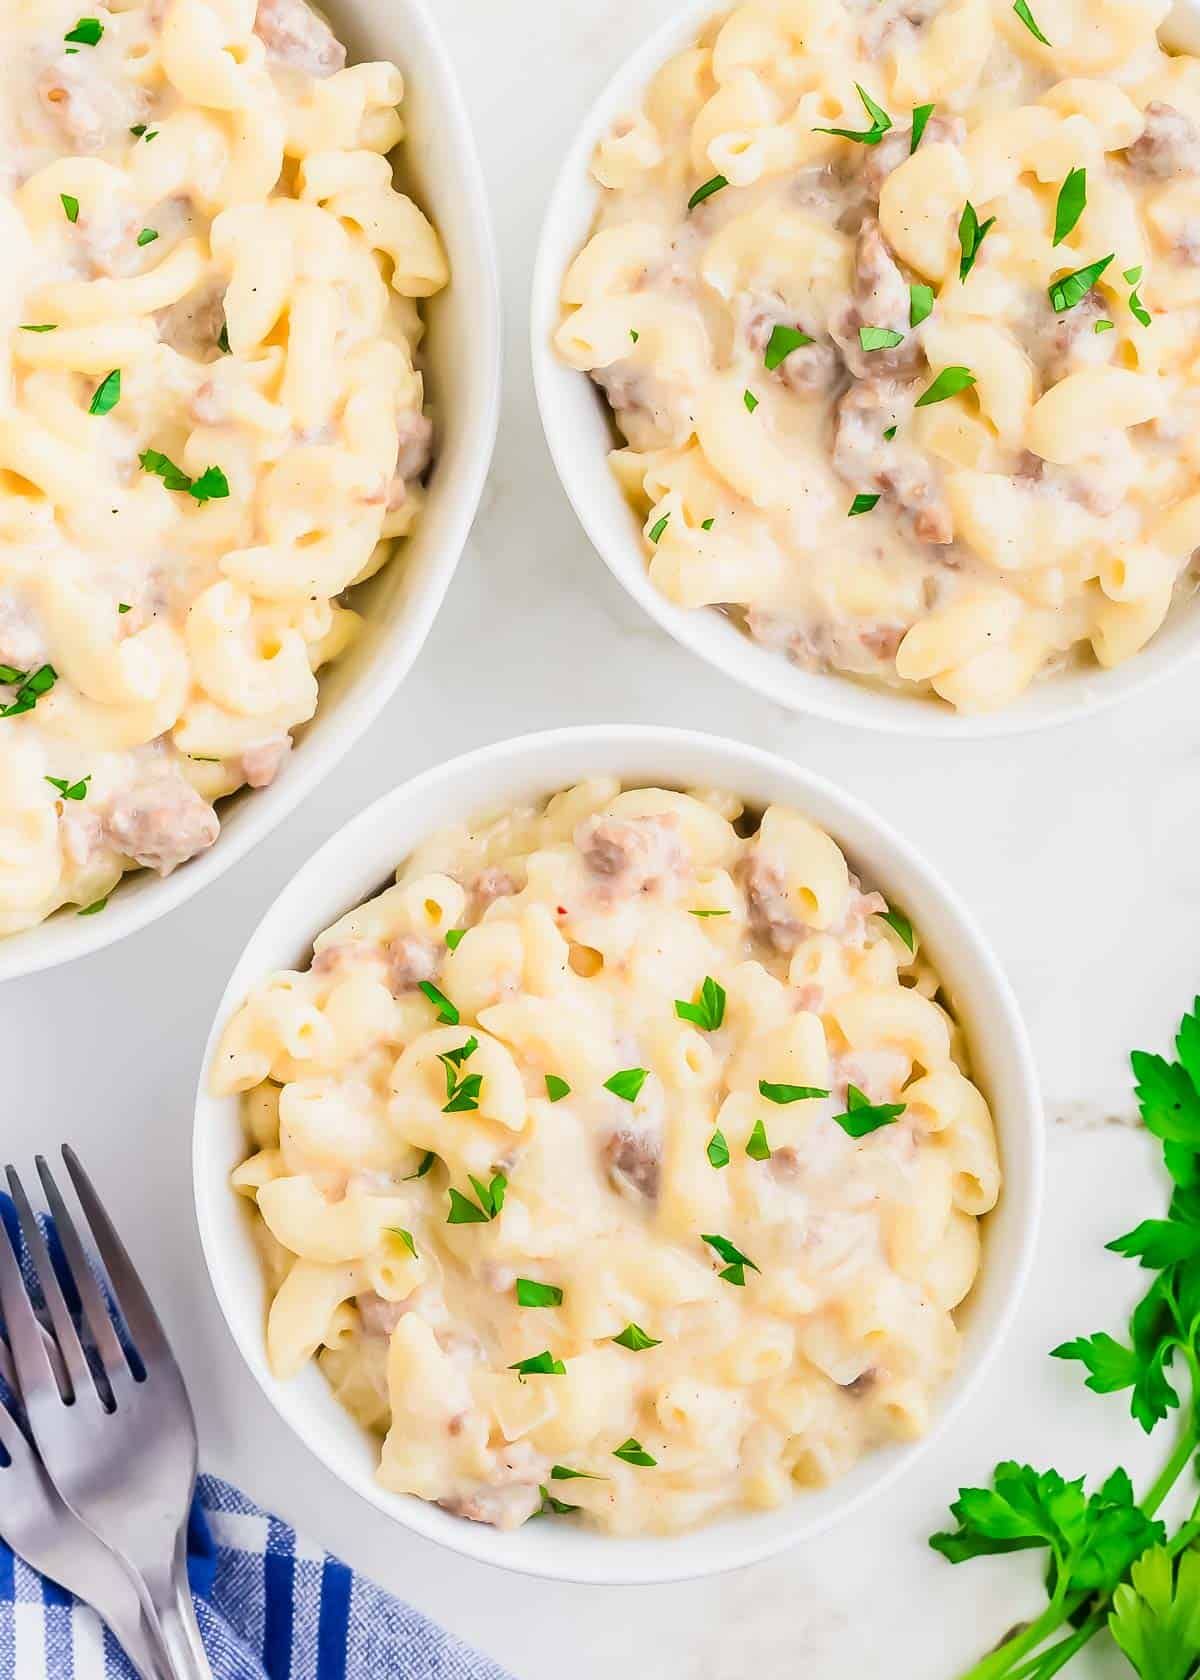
(461, 354)
(362, 859)
(580, 433)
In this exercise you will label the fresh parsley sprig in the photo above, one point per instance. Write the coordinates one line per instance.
(1110, 1563)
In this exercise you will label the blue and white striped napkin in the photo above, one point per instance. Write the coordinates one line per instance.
(270, 1605)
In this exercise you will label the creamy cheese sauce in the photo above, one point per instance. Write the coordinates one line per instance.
(1043, 510)
(623, 1136)
(211, 424)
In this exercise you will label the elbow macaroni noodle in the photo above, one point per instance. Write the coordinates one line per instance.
(211, 416)
(482, 1133)
(782, 464)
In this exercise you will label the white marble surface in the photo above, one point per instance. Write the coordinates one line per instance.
(1077, 850)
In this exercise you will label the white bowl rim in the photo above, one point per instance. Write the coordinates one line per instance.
(1050, 702)
(660, 1559)
(129, 912)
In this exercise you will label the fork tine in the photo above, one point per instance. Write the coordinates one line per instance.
(78, 1371)
(149, 1338)
(108, 1343)
(30, 1359)
(8, 1375)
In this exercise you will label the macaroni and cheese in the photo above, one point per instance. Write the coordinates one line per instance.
(897, 305)
(211, 424)
(620, 1158)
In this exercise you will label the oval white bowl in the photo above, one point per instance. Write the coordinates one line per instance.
(580, 433)
(362, 859)
(461, 353)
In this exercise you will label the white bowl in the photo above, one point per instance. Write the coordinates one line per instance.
(461, 353)
(360, 860)
(580, 433)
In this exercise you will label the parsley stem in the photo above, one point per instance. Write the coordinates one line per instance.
(998, 1664)
(1178, 1461)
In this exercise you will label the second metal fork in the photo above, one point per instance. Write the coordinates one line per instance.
(118, 1439)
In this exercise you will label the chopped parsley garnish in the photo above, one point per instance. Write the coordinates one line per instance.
(863, 503)
(890, 433)
(782, 342)
(123, 607)
(533, 1294)
(709, 1013)
(707, 524)
(900, 924)
(627, 1084)
(69, 789)
(427, 1161)
(1132, 276)
(406, 1237)
(556, 1088)
(634, 1453)
(446, 1010)
(736, 1262)
(1072, 201)
(33, 684)
(971, 235)
(551, 1507)
(718, 1150)
(634, 334)
(561, 1473)
(1104, 326)
(454, 1059)
(920, 304)
(70, 206)
(659, 526)
(51, 326)
(1140, 312)
(880, 123)
(707, 190)
(879, 338)
(138, 130)
(107, 394)
(540, 1365)
(708, 912)
(863, 1117)
(463, 1210)
(920, 118)
(464, 1094)
(750, 400)
(87, 32)
(1021, 7)
(454, 938)
(147, 236)
(211, 486)
(223, 339)
(1073, 288)
(948, 383)
(788, 1093)
(757, 1146)
(636, 1340)
(95, 909)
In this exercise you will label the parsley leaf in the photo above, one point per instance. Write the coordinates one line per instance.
(530, 1293)
(1139, 310)
(42, 327)
(463, 1210)
(1074, 287)
(659, 526)
(1021, 7)
(33, 685)
(147, 236)
(551, 1507)
(70, 206)
(948, 383)
(788, 1093)
(864, 502)
(95, 909)
(406, 1237)
(757, 1146)
(718, 1150)
(863, 1117)
(447, 1013)
(715, 185)
(1072, 201)
(1155, 1616)
(971, 235)
(782, 342)
(540, 1365)
(709, 1013)
(879, 338)
(880, 123)
(1158, 1243)
(750, 400)
(734, 1270)
(627, 1084)
(635, 1339)
(900, 925)
(920, 118)
(69, 789)
(920, 304)
(556, 1088)
(211, 486)
(634, 1453)
(107, 394)
(455, 938)
(561, 1473)
(708, 912)
(427, 1161)
(87, 32)
(464, 1098)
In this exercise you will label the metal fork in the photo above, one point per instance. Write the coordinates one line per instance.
(123, 1454)
(39, 1528)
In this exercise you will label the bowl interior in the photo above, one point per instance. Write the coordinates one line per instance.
(461, 357)
(580, 432)
(361, 859)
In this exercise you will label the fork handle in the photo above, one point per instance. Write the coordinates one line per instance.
(171, 1622)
